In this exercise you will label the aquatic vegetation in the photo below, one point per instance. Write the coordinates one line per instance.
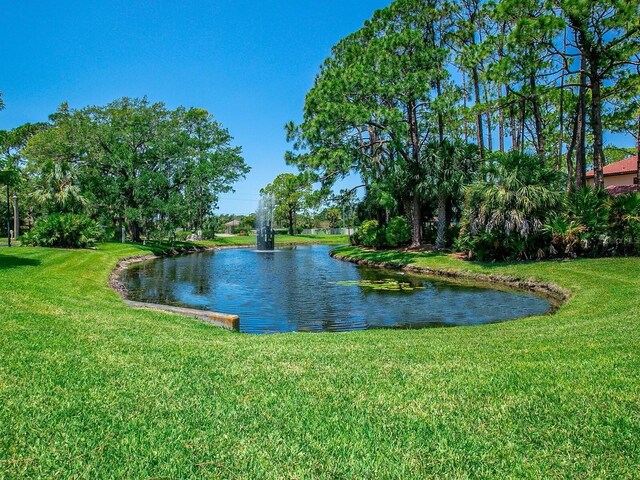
(387, 284)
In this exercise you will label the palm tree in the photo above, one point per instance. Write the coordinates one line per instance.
(58, 189)
(451, 166)
(513, 200)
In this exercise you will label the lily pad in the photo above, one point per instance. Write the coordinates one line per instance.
(388, 284)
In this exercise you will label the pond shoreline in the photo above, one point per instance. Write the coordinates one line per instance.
(120, 289)
(122, 265)
(555, 293)
(229, 321)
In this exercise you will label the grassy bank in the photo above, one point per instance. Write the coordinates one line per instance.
(92, 389)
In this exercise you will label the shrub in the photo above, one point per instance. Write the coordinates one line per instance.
(65, 231)
(604, 225)
(588, 223)
(505, 213)
(370, 234)
(240, 231)
(397, 232)
(209, 234)
(111, 232)
(355, 238)
(590, 208)
(624, 223)
(565, 235)
(182, 235)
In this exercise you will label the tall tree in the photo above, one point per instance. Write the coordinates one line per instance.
(625, 115)
(141, 164)
(608, 38)
(292, 194)
(11, 143)
(376, 102)
(469, 21)
(453, 164)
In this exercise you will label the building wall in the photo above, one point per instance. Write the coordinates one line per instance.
(615, 180)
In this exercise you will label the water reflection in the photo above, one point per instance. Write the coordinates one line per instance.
(296, 290)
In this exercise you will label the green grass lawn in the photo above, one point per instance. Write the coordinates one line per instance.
(92, 389)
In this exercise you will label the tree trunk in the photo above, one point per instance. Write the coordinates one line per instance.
(134, 230)
(596, 128)
(443, 221)
(581, 127)
(414, 157)
(503, 28)
(512, 118)
(561, 110)
(8, 217)
(440, 118)
(415, 219)
(464, 104)
(489, 122)
(479, 128)
(561, 125)
(500, 120)
(489, 132)
(442, 203)
(291, 222)
(521, 125)
(535, 102)
(118, 235)
(570, 150)
(585, 42)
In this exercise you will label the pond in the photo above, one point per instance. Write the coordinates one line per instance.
(304, 289)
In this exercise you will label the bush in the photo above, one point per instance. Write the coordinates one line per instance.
(182, 235)
(565, 236)
(590, 208)
(624, 223)
(371, 234)
(355, 238)
(588, 223)
(209, 234)
(64, 231)
(595, 224)
(397, 232)
(506, 211)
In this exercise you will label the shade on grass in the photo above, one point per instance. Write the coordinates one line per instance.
(90, 388)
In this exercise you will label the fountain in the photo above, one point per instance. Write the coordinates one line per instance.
(264, 223)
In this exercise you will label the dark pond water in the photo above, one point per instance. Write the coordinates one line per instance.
(303, 289)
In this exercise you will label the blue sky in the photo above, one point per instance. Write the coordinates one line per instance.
(249, 62)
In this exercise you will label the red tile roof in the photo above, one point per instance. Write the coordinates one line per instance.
(623, 167)
(615, 190)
